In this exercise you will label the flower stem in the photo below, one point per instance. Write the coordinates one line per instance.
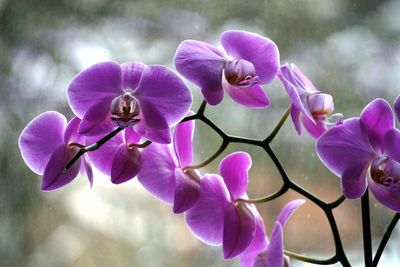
(91, 147)
(270, 197)
(142, 145)
(385, 239)
(210, 159)
(275, 131)
(329, 261)
(366, 224)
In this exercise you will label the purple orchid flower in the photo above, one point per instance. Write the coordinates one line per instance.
(269, 253)
(365, 152)
(219, 216)
(150, 98)
(309, 105)
(250, 61)
(163, 172)
(397, 108)
(47, 143)
(119, 158)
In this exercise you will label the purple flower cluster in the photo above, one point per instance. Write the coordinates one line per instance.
(125, 114)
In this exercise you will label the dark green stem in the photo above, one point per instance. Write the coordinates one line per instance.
(366, 226)
(275, 131)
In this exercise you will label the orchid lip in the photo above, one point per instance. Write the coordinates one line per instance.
(383, 171)
(125, 110)
(240, 73)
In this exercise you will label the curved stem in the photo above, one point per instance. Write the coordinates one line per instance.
(385, 239)
(366, 226)
(142, 145)
(275, 131)
(210, 159)
(277, 194)
(337, 202)
(202, 107)
(294, 255)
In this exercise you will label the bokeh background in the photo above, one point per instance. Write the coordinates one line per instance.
(348, 48)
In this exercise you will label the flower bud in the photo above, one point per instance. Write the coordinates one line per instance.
(320, 104)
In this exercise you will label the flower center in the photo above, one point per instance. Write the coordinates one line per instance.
(386, 172)
(125, 110)
(241, 73)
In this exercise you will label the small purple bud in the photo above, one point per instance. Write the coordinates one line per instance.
(241, 73)
(320, 105)
(125, 110)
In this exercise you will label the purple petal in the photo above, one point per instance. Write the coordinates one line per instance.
(239, 229)
(234, 169)
(54, 176)
(102, 80)
(131, 74)
(253, 97)
(288, 210)
(158, 136)
(388, 196)
(397, 108)
(377, 117)
(40, 138)
(260, 51)
(302, 80)
(183, 139)
(88, 128)
(187, 190)
(131, 136)
(163, 96)
(392, 144)
(354, 182)
(345, 147)
(275, 248)
(71, 132)
(158, 171)
(258, 244)
(126, 164)
(88, 170)
(102, 158)
(292, 88)
(202, 64)
(315, 129)
(98, 112)
(295, 115)
(214, 197)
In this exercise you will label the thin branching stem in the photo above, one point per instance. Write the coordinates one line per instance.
(366, 226)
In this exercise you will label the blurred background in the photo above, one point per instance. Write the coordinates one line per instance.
(350, 49)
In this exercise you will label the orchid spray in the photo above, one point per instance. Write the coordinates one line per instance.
(135, 120)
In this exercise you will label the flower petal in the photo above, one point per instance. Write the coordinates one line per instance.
(163, 96)
(158, 136)
(131, 74)
(315, 129)
(202, 64)
(187, 190)
(102, 158)
(239, 229)
(131, 136)
(275, 248)
(397, 108)
(389, 197)
(158, 171)
(295, 115)
(377, 117)
(392, 144)
(88, 170)
(345, 147)
(126, 164)
(293, 89)
(253, 97)
(214, 197)
(103, 80)
(260, 51)
(288, 210)
(354, 182)
(89, 128)
(54, 176)
(183, 139)
(71, 132)
(234, 169)
(40, 138)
